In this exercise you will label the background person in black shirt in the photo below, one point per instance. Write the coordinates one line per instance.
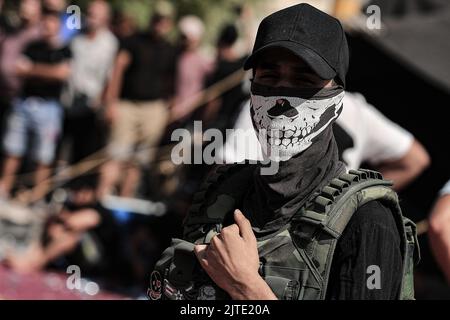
(44, 68)
(138, 104)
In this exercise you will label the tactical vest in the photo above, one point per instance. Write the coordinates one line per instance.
(296, 261)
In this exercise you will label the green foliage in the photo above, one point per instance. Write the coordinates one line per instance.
(209, 10)
(215, 13)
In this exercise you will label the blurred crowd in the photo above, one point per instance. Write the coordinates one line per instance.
(108, 93)
(86, 120)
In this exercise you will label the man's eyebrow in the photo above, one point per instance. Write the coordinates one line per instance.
(269, 65)
(274, 65)
(303, 69)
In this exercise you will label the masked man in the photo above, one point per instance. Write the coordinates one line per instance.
(310, 230)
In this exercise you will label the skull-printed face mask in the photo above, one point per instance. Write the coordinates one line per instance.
(287, 120)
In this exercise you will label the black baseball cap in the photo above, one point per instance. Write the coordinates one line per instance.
(314, 36)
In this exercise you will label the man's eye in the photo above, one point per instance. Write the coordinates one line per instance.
(305, 80)
(268, 76)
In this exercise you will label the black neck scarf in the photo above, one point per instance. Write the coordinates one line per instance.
(274, 199)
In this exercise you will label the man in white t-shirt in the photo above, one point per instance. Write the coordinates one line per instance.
(363, 134)
(439, 230)
(93, 54)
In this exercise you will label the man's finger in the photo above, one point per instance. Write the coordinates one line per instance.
(200, 252)
(215, 241)
(230, 230)
(244, 225)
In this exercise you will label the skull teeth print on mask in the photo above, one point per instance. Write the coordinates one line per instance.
(286, 125)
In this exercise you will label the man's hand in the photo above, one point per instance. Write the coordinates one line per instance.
(231, 260)
(404, 170)
(110, 114)
(51, 72)
(23, 66)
